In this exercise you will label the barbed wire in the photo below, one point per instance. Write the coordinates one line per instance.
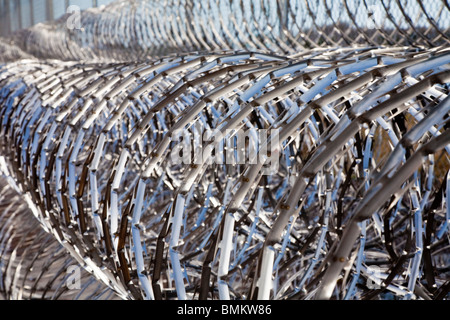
(148, 28)
(94, 153)
(34, 264)
(356, 208)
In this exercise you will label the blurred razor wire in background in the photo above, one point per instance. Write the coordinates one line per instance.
(142, 29)
(124, 131)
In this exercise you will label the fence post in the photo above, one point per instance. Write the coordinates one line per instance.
(49, 10)
(7, 17)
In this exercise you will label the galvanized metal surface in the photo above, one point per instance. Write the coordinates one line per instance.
(357, 207)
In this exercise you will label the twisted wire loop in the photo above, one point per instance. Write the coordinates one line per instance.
(352, 202)
(37, 262)
(140, 29)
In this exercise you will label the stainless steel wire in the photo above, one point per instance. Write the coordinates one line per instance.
(147, 28)
(357, 207)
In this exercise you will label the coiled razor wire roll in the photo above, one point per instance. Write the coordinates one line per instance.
(35, 264)
(140, 29)
(356, 208)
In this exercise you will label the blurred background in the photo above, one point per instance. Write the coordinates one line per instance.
(20, 14)
(391, 14)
